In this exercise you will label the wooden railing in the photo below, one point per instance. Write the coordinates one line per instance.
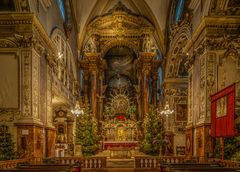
(67, 160)
(155, 162)
(94, 162)
(35, 160)
(172, 159)
(8, 164)
(147, 162)
(90, 162)
(226, 163)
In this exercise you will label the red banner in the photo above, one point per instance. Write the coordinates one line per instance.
(223, 103)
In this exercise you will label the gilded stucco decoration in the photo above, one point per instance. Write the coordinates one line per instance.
(224, 7)
(26, 61)
(190, 98)
(22, 5)
(35, 84)
(8, 43)
(119, 26)
(177, 58)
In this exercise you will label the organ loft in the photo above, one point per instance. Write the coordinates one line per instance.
(119, 84)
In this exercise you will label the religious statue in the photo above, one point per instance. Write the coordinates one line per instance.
(147, 44)
(92, 45)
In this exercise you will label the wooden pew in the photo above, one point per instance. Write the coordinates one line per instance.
(34, 170)
(42, 167)
(187, 167)
(203, 169)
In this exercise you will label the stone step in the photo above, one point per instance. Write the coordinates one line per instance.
(120, 170)
(120, 163)
(129, 170)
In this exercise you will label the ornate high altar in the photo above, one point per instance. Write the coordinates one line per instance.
(120, 127)
(120, 132)
(120, 136)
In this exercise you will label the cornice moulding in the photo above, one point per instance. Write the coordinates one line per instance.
(211, 22)
(175, 81)
(7, 19)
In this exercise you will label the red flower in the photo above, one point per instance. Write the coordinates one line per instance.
(120, 118)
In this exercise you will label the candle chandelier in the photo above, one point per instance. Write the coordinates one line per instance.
(166, 111)
(77, 109)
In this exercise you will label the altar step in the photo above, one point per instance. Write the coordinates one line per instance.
(120, 163)
(129, 170)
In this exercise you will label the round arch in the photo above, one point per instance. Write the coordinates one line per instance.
(56, 32)
(115, 43)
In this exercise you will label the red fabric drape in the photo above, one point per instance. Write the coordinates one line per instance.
(223, 126)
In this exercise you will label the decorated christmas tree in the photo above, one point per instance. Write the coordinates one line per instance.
(7, 151)
(152, 133)
(86, 132)
(231, 148)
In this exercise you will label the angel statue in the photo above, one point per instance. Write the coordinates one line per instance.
(92, 45)
(147, 44)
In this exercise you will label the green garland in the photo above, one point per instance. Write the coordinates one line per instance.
(231, 148)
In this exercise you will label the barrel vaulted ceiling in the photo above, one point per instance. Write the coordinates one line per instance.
(154, 10)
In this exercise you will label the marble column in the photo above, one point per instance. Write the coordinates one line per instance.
(93, 91)
(100, 97)
(91, 64)
(146, 77)
(86, 87)
(154, 90)
(144, 63)
(155, 65)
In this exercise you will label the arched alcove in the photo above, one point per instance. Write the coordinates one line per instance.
(120, 74)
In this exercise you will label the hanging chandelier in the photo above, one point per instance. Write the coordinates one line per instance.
(166, 111)
(77, 110)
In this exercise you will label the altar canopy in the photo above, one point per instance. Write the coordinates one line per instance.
(223, 104)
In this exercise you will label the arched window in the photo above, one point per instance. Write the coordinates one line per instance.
(179, 10)
(159, 55)
(66, 67)
(62, 9)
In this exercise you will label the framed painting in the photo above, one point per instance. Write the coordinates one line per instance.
(181, 112)
(221, 107)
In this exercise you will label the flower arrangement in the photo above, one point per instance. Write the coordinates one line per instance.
(120, 118)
